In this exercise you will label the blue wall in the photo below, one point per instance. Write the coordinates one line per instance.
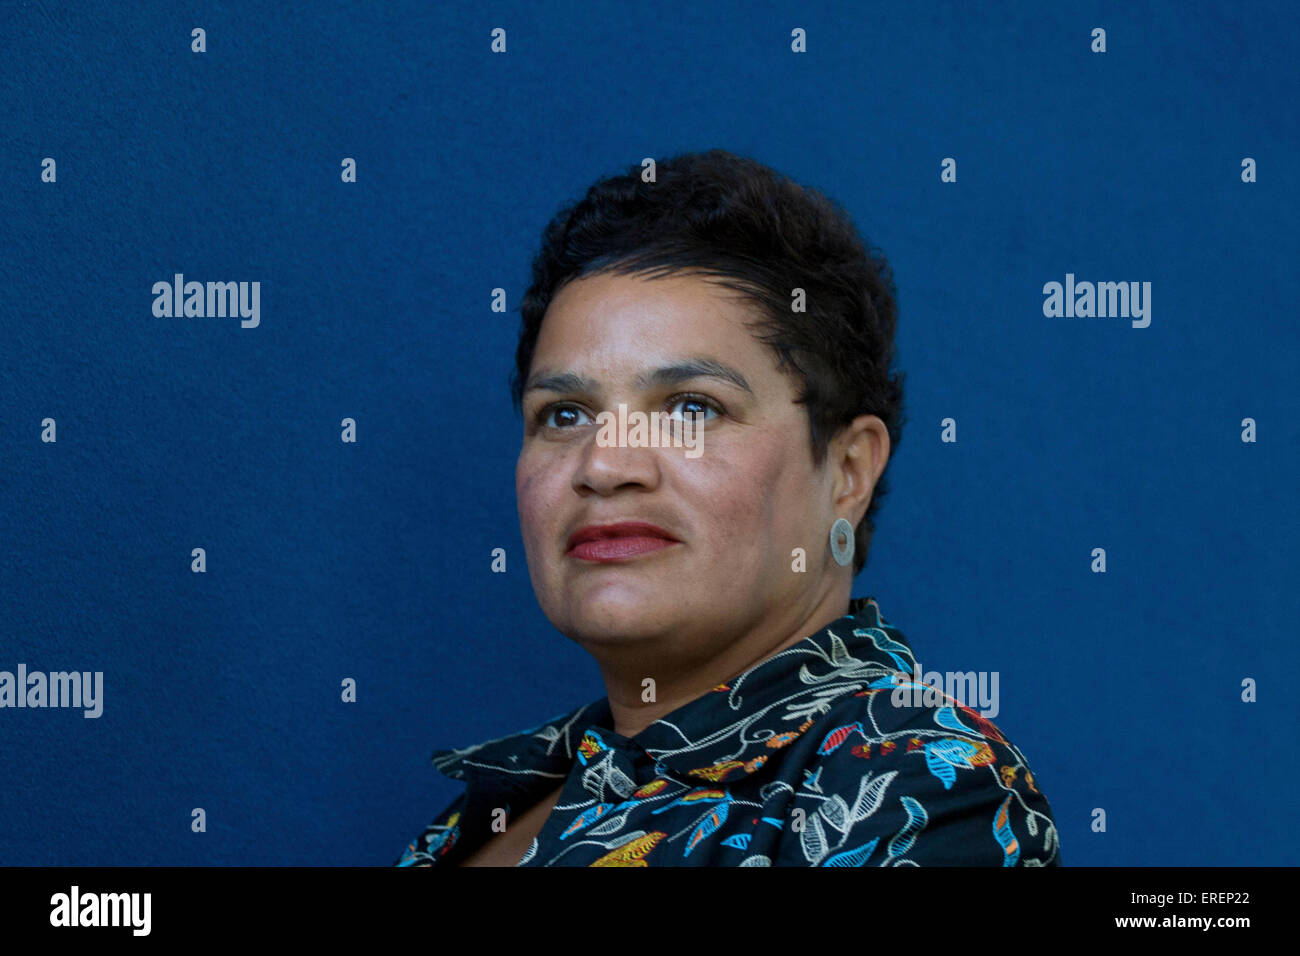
(328, 560)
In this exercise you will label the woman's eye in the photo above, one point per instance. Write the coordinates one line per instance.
(565, 416)
(697, 407)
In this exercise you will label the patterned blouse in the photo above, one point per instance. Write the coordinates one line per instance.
(809, 758)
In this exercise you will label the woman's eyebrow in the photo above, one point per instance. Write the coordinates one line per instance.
(666, 375)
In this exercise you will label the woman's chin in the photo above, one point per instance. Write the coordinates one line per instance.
(620, 611)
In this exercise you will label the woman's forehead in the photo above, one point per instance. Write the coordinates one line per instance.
(649, 328)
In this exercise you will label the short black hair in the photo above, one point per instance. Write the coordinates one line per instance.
(756, 231)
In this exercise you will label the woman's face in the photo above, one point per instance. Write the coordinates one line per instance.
(737, 509)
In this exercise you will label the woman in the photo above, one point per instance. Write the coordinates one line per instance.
(752, 714)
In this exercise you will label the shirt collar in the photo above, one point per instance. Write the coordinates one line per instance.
(730, 731)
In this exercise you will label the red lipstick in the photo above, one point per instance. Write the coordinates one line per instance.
(617, 542)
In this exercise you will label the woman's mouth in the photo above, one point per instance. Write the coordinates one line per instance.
(618, 542)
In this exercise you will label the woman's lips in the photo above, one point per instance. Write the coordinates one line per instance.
(616, 549)
(618, 541)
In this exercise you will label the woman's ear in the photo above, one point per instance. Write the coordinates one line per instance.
(858, 455)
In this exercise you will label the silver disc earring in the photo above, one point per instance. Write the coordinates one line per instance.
(842, 529)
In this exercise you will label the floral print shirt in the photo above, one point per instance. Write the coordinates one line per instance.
(815, 756)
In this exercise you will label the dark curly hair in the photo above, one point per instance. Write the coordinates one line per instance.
(755, 231)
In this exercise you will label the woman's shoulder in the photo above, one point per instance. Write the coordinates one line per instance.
(909, 717)
(893, 765)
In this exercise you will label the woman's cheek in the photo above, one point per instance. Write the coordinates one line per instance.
(526, 489)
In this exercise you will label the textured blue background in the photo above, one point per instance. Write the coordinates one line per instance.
(328, 560)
